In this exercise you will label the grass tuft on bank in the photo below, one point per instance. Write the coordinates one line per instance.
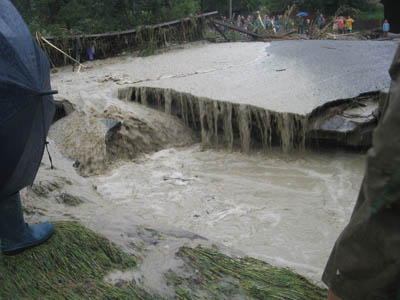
(71, 265)
(222, 277)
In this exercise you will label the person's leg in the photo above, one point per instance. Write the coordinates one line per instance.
(15, 234)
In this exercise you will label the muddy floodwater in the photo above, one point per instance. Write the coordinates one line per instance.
(286, 210)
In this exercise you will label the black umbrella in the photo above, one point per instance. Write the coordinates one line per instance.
(26, 102)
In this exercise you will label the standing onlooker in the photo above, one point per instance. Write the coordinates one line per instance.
(239, 21)
(335, 26)
(249, 22)
(349, 24)
(244, 22)
(386, 28)
(300, 29)
(308, 25)
(321, 21)
(340, 22)
(267, 22)
(277, 24)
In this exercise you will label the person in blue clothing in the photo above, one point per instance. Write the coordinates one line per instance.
(386, 28)
(267, 22)
(277, 24)
(321, 21)
(249, 23)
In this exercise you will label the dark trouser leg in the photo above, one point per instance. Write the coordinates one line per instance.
(15, 234)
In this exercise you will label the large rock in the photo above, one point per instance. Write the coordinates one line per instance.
(63, 109)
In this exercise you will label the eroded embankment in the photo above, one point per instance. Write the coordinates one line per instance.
(94, 141)
(248, 127)
(223, 123)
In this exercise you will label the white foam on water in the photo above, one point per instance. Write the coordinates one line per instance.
(287, 210)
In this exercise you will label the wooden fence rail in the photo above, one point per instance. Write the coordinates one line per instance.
(145, 39)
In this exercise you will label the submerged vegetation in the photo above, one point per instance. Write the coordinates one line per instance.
(222, 277)
(73, 263)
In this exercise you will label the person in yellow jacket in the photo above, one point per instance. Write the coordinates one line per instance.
(349, 24)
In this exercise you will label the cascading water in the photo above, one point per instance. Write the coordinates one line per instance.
(225, 124)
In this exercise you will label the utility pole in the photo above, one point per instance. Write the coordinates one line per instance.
(230, 9)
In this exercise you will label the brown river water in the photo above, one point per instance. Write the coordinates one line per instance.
(286, 209)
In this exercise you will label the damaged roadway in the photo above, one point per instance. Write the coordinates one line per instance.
(291, 76)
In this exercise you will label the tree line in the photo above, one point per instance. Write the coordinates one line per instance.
(60, 17)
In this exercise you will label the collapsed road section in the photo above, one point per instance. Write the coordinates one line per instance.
(293, 93)
(343, 123)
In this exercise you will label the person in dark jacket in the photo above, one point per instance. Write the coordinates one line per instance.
(300, 25)
(26, 112)
(365, 261)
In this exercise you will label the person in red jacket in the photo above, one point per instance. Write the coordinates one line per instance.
(340, 22)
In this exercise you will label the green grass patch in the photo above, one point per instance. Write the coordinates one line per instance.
(71, 265)
(44, 188)
(69, 200)
(40, 190)
(217, 276)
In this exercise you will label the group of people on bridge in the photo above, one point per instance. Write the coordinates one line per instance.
(277, 23)
(343, 25)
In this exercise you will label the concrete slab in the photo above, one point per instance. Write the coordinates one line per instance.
(285, 76)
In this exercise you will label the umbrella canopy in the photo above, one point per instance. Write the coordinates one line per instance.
(26, 104)
(302, 14)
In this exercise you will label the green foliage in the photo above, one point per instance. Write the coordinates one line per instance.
(279, 6)
(61, 17)
(374, 12)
